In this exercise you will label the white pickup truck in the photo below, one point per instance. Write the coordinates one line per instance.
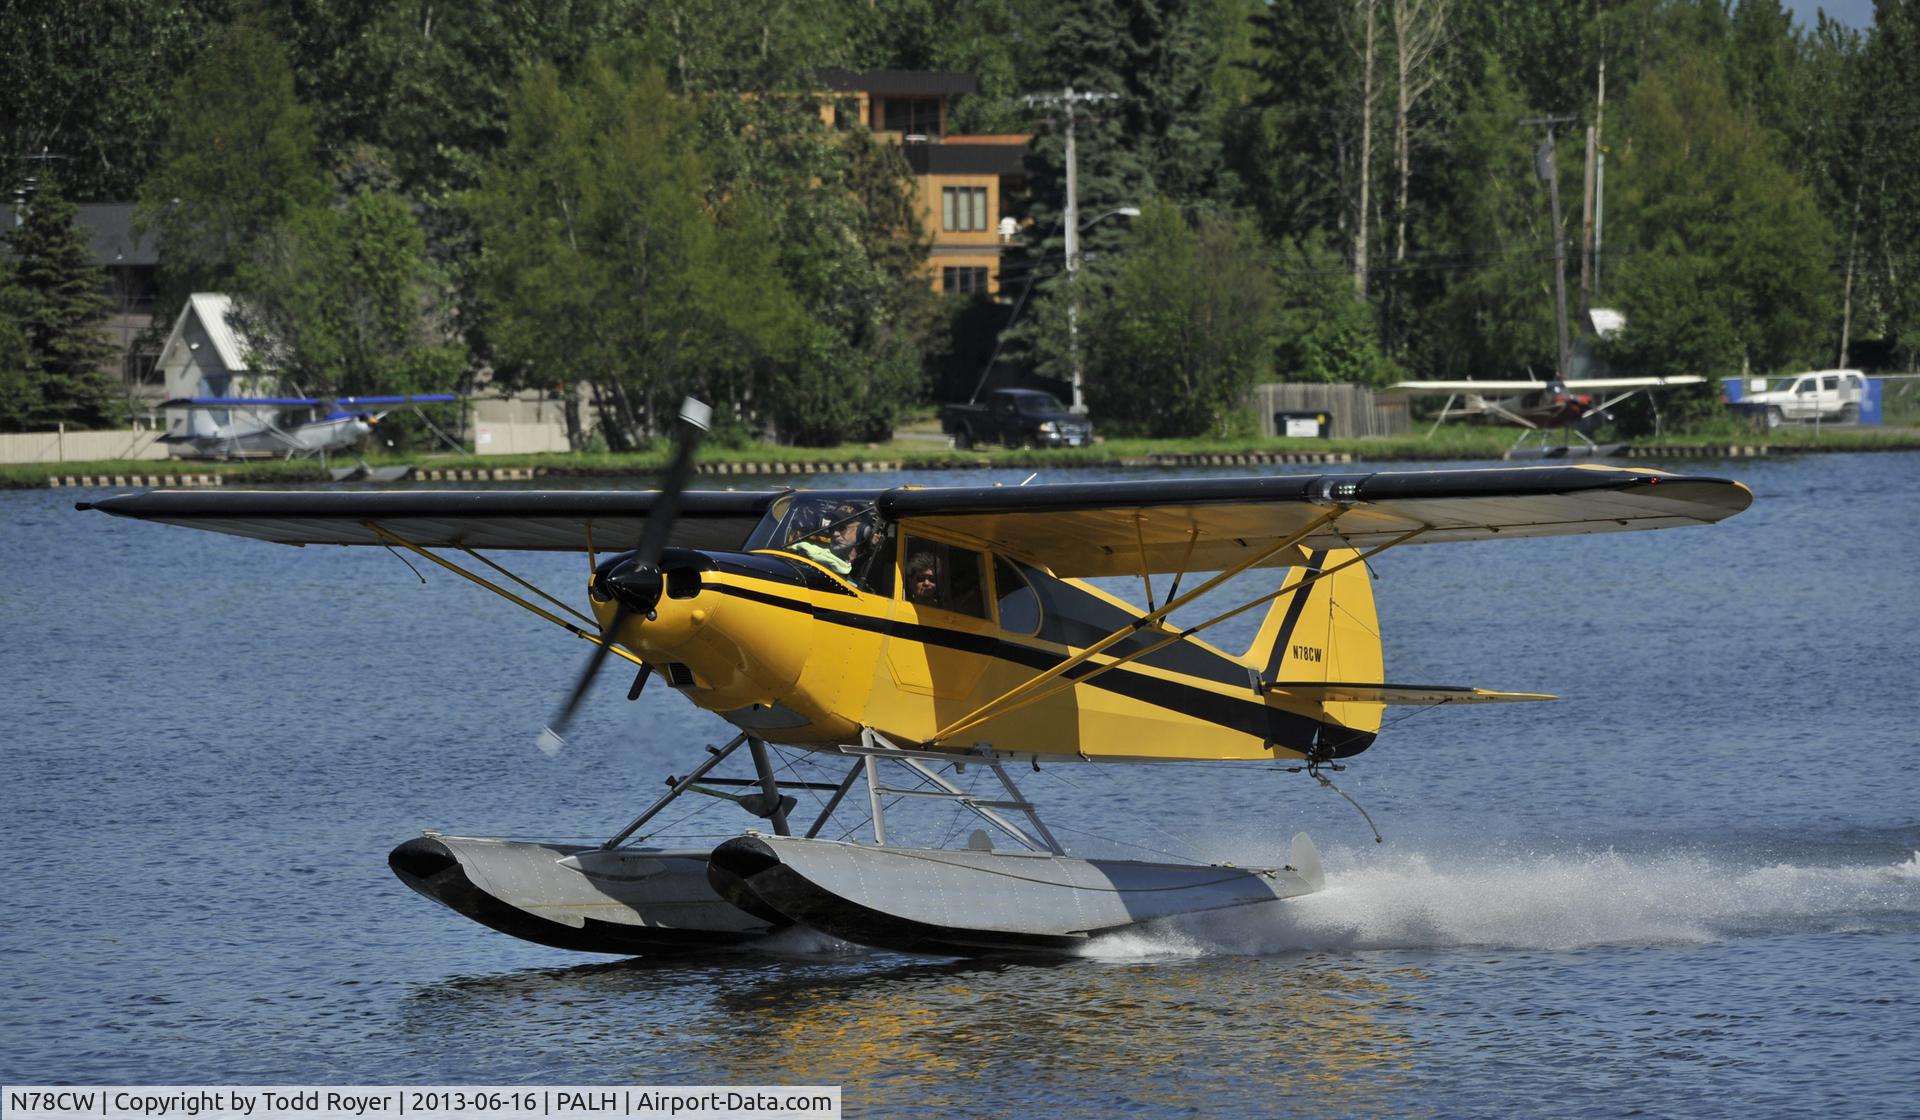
(1825, 394)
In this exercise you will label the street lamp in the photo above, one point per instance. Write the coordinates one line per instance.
(1074, 228)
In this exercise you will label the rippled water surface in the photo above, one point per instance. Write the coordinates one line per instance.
(1689, 888)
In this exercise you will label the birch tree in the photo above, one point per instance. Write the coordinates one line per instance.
(1419, 33)
(1366, 13)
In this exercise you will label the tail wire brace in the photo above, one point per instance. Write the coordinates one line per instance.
(1315, 767)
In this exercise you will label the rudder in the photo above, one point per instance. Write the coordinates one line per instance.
(1327, 631)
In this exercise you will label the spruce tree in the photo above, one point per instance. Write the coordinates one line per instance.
(1293, 149)
(19, 394)
(57, 302)
(1145, 62)
(1890, 173)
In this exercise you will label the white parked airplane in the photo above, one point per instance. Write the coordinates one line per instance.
(252, 427)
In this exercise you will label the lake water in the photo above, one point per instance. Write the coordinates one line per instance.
(1689, 888)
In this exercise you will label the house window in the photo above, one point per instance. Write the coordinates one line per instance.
(914, 116)
(964, 281)
(963, 208)
(846, 112)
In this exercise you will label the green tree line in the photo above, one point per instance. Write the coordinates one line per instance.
(629, 200)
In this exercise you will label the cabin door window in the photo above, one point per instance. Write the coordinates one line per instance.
(943, 594)
(944, 576)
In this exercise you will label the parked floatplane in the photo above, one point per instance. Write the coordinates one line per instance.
(911, 632)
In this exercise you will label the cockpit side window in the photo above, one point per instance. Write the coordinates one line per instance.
(1019, 606)
(945, 576)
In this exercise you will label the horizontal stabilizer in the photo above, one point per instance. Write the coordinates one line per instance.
(1327, 692)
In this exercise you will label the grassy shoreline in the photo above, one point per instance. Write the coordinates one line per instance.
(1450, 444)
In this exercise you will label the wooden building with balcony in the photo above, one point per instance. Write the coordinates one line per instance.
(964, 184)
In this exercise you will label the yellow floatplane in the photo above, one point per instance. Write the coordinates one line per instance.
(915, 631)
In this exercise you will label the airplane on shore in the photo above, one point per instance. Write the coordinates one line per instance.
(258, 427)
(926, 630)
(1538, 406)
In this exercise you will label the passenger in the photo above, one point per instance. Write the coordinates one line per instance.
(923, 579)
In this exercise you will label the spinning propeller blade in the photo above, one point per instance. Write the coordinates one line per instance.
(694, 418)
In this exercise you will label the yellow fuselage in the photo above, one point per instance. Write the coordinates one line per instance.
(793, 653)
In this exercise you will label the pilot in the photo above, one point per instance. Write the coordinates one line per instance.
(850, 536)
(816, 544)
(923, 579)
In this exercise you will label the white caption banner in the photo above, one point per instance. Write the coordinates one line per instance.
(418, 1102)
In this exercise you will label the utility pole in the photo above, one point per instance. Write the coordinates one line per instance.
(1549, 173)
(1586, 228)
(1066, 100)
(1599, 177)
(1596, 198)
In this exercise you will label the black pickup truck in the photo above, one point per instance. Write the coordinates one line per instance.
(1015, 418)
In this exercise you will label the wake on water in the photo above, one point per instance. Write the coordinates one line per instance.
(1560, 901)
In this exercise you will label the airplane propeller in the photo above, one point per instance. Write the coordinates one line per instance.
(635, 586)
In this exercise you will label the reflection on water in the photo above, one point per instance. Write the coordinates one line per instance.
(967, 1037)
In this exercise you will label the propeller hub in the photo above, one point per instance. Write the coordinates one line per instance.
(635, 584)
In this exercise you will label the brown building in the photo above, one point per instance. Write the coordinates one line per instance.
(128, 267)
(963, 183)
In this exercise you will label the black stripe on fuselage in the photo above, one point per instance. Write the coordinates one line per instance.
(1292, 619)
(1075, 617)
(1249, 717)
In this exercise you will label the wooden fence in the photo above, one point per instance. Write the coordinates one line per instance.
(81, 447)
(1356, 411)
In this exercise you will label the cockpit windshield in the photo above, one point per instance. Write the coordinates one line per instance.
(836, 533)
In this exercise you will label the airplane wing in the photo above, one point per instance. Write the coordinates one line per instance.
(238, 402)
(1483, 387)
(1632, 382)
(1210, 524)
(544, 520)
(1074, 529)
(1576, 383)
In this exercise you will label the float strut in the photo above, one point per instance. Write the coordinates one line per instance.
(719, 755)
(769, 786)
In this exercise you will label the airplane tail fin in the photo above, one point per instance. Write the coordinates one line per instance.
(1324, 632)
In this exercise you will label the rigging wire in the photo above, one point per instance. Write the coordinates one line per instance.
(408, 563)
(1109, 779)
(959, 811)
(918, 777)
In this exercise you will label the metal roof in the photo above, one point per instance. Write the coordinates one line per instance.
(898, 81)
(212, 309)
(109, 226)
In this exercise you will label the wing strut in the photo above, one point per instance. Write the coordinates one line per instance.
(1193, 538)
(389, 535)
(530, 587)
(1023, 695)
(1146, 576)
(1141, 623)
